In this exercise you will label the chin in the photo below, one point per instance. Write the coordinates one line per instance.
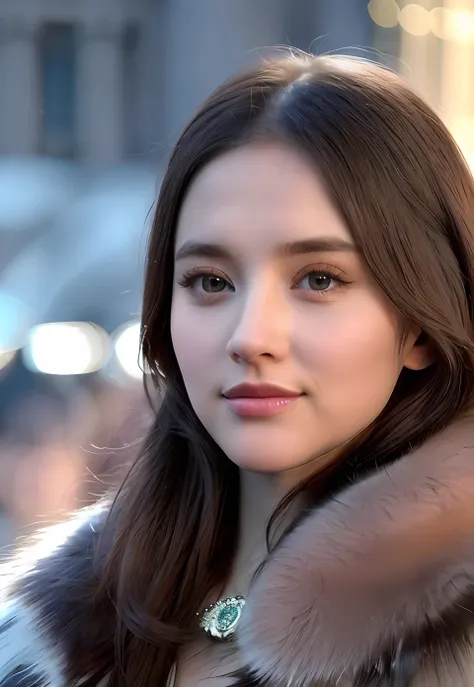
(268, 449)
(266, 461)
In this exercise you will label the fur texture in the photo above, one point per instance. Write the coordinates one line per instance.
(376, 587)
(43, 618)
(382, 574)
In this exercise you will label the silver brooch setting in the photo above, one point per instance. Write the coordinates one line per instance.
(220, 620)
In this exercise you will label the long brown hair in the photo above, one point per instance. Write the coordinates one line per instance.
(407, 195)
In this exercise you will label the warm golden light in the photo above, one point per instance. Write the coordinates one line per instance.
(461, 26)
(452, 24)
(415, 20)
(463, 131)
(439, 22)
(448, 24)
(384, 13)
(470, 161)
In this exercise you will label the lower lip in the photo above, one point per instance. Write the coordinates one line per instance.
(260, 407)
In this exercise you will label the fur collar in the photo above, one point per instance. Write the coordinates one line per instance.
(381, 576)
(376, 584)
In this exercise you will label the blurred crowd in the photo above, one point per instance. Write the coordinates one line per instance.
(63, 442)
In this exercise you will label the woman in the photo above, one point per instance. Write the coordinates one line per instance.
(308, 314)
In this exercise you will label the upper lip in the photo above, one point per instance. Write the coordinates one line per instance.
(260, 391)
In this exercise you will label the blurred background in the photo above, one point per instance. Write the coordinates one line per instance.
(93, 94)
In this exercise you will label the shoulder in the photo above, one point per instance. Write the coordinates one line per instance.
(43, 594)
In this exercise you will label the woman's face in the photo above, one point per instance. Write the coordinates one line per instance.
(270, 292)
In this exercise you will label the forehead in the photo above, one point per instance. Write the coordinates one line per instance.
(264, 191)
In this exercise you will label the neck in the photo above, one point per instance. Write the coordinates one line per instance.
(260, 495)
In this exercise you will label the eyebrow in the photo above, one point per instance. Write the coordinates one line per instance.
(198, 249)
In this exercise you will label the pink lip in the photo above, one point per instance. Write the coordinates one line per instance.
(260, 400)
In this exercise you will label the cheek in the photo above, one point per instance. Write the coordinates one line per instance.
(196, 345)
(355, 367)
(357, 344)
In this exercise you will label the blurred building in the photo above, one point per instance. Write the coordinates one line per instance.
(105, 80)
(93, 94)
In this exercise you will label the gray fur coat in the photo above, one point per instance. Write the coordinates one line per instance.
(375, 587)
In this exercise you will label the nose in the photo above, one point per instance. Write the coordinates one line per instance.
(263, 327)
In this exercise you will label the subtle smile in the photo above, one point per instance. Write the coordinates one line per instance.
(260, 400)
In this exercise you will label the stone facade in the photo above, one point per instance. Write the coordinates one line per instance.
(138, 68)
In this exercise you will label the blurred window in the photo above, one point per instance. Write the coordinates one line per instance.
(58, 89)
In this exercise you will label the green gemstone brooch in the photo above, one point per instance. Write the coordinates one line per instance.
(221, 619)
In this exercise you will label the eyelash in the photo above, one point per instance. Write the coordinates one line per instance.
(323, 271)
(189, 279)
